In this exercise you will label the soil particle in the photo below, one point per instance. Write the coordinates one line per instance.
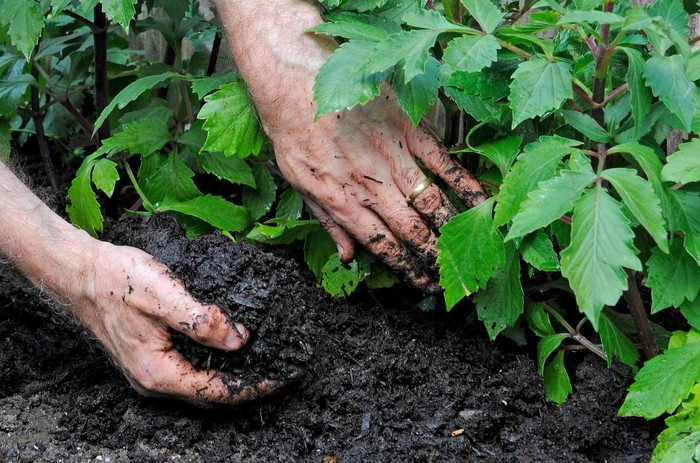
(382, 383)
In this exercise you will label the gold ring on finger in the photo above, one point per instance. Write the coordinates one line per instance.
(417, 191)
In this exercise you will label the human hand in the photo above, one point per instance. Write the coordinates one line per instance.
(128, 300)
(356, 169)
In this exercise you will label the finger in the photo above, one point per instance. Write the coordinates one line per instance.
(343, 240)
(205, 324)
(439, 160)
(434, 206)
(376, 236)
(177, 378)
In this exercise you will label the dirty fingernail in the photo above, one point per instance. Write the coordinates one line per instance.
(340, 250)
(238, 336)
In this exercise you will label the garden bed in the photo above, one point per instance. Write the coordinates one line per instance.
(380, 379)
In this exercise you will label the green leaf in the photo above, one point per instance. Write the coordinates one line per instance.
(641, 95)
(501, 303)
(538, 87)
(485, 12)
(537, 250)
(214, 210)
(431, 19)
(477, 107)
(538, 319)
(686, 210)
(417, 96)
(357, 26)
(340, 279)
(135, 90)
(231, 168)
(410, 46)
(168, 179)
(668, 81)
(673, 277)
(663, 382)
(538, 162)
(691, 312)
(587, 126)
(470, 252)
(205, 85)
(318, 247)
(380, 277)
(680, 442)
(501, 152)
(556, 380)
(552, 199)
(601, 247)
(616, 344)
(638, 195)
(120, 11)
(342, 82)
(12, 91)
(492, 82)
(290, 205)
(231, 122)
(546, 346)
(25, 23)
(281, 231)
(105, 175)
(684, 165)
(591, 17)
(144, 137)
(84, 210)
(259, 200)
(471, 53)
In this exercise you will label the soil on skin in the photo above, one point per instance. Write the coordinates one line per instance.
(373, 383)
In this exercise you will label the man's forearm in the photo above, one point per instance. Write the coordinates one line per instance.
(36, 240)
(273, 52)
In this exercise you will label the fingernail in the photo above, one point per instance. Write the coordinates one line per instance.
(340, 250)
(238, 336)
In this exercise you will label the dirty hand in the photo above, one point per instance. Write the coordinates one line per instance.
(357, 169)
(124, 296)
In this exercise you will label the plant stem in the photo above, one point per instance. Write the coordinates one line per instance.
(39, 128)
(514, 49)
(147, 204)
(100, 49)
(91, 25)
(612, 95)
(639, 315)
(581, 339)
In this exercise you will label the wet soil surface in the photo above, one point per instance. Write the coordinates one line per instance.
(374, 382)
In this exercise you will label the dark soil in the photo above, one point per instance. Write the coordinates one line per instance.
(374, 382)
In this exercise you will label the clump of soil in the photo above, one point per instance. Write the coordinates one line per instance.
(383, 382)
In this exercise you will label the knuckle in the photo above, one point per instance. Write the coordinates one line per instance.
(149, 382)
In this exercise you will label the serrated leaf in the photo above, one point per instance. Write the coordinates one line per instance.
(417, 96)
(342, 82)
(431, 19)
(538, 319)
(231, 122)
(25, 23)
(691, 312)
(410, 46)
(105, 175)
(616, 344)
(471, 53)
(501, 152)
(591, 17)
(120, 11)
(538, 87)
(557, 384)
(680, 442)
(168, 179)
(290, 205)
(552, 199)
(686, 212)
(470, 252)
(259, 200)
(601, 248)
(673, 277)
(587, 126)
(144, 137)
(663, 382)
(12, 91)
(488, 15)
(205, 85)
(231, 168)
(641, 95)
(501, 303)
(135, 90)
(380, 277)
(546, 346)
(493, 82)
(318, 247)
(684, 165)
(340, 279)
(537, 250)
(639, 197)
(538, 162)
(477, 107)
(214, 210)
(668, 81)
(357, 26)
(83, 209)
